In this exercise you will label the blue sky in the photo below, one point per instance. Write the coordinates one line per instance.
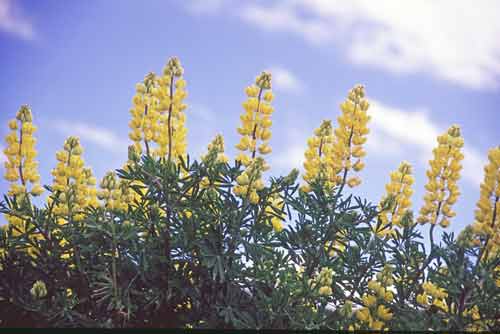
(425, 66)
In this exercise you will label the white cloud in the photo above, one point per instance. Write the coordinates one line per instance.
(3, 158)
(292, 157)
(394, 130)
(101, 137)
(451, 40)
(205, 6)
(285, 80)
(289, 153)
(12, 22)
(202, 112)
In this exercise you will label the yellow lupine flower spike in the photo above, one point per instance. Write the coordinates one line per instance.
(374, 314)
(349, 137)
(158, 113)
(434, 295)
(144, 114)
(21, 165)
(256, 120)
(116, 194)
(444, 172)
(317, 154)
(21, 168)
(73, 184)
(215, 152)
(486, 228)
(171, 94)
(398, 195)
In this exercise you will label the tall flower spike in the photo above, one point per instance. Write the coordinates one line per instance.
(215, 153)
(74, 185)
(444, 172)
(399, 195)
(256, 120)
(21, 165)
(158, 113)
(144, 122)
(171, 93)
(486, 228)
(317, 154)
(350, 135)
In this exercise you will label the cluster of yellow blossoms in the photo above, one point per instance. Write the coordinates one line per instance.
(276, 204)
(374, 313)
(330, 156)
(73, 184)
(486, 228)
(215, 153)
(333, 248)
(250, 181)
(323, 282)
(116, 194)
(442, 189)
(438, 296)
(350, 135)
(20, 152)
(158, 113)
(256, 120)
(397, 201)
(318, 164)
(256, 123)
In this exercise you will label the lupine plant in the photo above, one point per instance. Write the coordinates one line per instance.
(170, 241)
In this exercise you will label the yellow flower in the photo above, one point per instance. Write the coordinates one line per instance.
(116, 194)
(254, 197)
(73, 184)
(369, 300)
(39, 290)
(444, 172)
(363, 315)
(277, 224)
(255, 121)
(215, 152)
(486, 228)
(398, 196)
(325, 291)
(349, 137)
(423, 299)
(376, 325)
(20, 152)
(158, 113)
(249, 181)
(316, 157)
(384, 313)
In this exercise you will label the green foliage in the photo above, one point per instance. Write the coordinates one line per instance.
(188, 255)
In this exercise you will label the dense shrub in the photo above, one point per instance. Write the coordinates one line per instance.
(166, 241)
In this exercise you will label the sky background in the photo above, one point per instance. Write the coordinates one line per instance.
(425, 65)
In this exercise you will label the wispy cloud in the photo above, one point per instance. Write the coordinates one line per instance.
(451, 40)
(3, 158)
(202, 112)
(291, 153)
(205, 6)
(394, 130)
(11, 21)
(101, 137)
(285, 81)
